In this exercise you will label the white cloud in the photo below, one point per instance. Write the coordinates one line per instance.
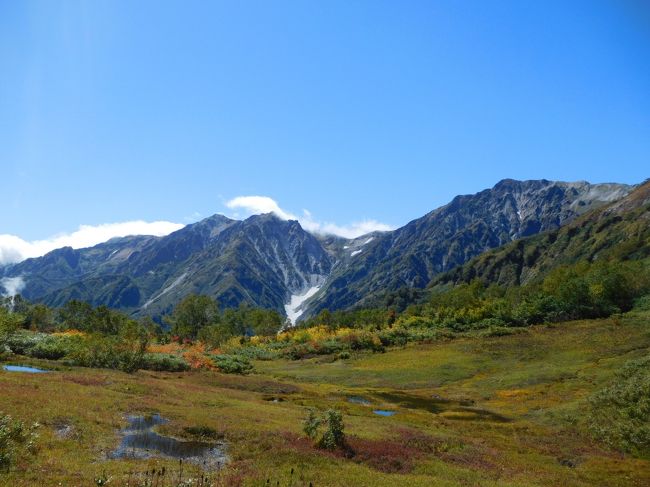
(12, 285)
(259, 204)
(253, 205)
(355, 229)
(15, 249)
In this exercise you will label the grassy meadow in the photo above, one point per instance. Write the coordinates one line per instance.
(497, 411)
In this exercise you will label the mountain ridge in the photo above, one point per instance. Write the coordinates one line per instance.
(270, 262)
(620, 229)
(452, 234)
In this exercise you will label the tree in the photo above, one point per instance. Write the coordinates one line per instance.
(9, 323)
(311, 424)
(265, 322)
(334, 437)
(76, 315)
(325, 318)
(106, 321)
(192, 314)
(39, 317)
(133, 341)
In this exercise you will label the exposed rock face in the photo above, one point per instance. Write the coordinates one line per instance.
(265, 261)
(620, 229)
(453, 234)
(261, 261)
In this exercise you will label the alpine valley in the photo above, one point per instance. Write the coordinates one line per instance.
(268, 262)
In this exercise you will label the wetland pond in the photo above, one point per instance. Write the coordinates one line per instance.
(384, 412)
(359, 400)
(140, 441)
(436, 405)
(452, 409)
(24, 369)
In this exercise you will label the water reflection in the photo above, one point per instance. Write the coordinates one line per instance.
(139, 440)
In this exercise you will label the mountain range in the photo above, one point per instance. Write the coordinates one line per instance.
(274, 263)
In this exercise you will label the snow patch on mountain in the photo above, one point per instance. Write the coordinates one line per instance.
(293, 308)
(352, 254)
(176, 282)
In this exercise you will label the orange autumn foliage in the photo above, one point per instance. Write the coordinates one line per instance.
(195, 354)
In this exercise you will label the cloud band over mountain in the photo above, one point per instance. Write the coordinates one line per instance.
(264, 204)
(14, 249)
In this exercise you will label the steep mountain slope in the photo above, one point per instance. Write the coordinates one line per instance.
(619, 230)
(273, 263)
(261, 261)
(449, 236)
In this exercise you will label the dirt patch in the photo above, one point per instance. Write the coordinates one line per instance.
(274, 398)
(85, 380)
(253, 384)
(388, 456)
(63, 428)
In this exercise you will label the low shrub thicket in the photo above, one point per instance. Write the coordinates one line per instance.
(16, 441)
(233, 364)
(620, 413)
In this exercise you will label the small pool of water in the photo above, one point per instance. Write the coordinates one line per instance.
(139, 440)
(438, 405)
(143, 423)
(359, 400)
(23, 368)
(383, 412)
(133, 444)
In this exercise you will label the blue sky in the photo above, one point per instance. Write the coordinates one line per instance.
(120, 111)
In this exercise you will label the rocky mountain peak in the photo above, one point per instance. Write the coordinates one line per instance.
(267, 261)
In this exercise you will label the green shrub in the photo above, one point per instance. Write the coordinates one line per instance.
(415, 322)
(311, 424)
(22, 342)
(255, 352)
(333, 436)
(300, 351)
(643, 303)
(620, 413)
(394, 336)
(233, 364)
(163, 362)
(362, 340)
(16, 441)
(107, 353)
(51, 348)
(327, 347)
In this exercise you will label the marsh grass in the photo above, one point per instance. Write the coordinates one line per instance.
(540, 380)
